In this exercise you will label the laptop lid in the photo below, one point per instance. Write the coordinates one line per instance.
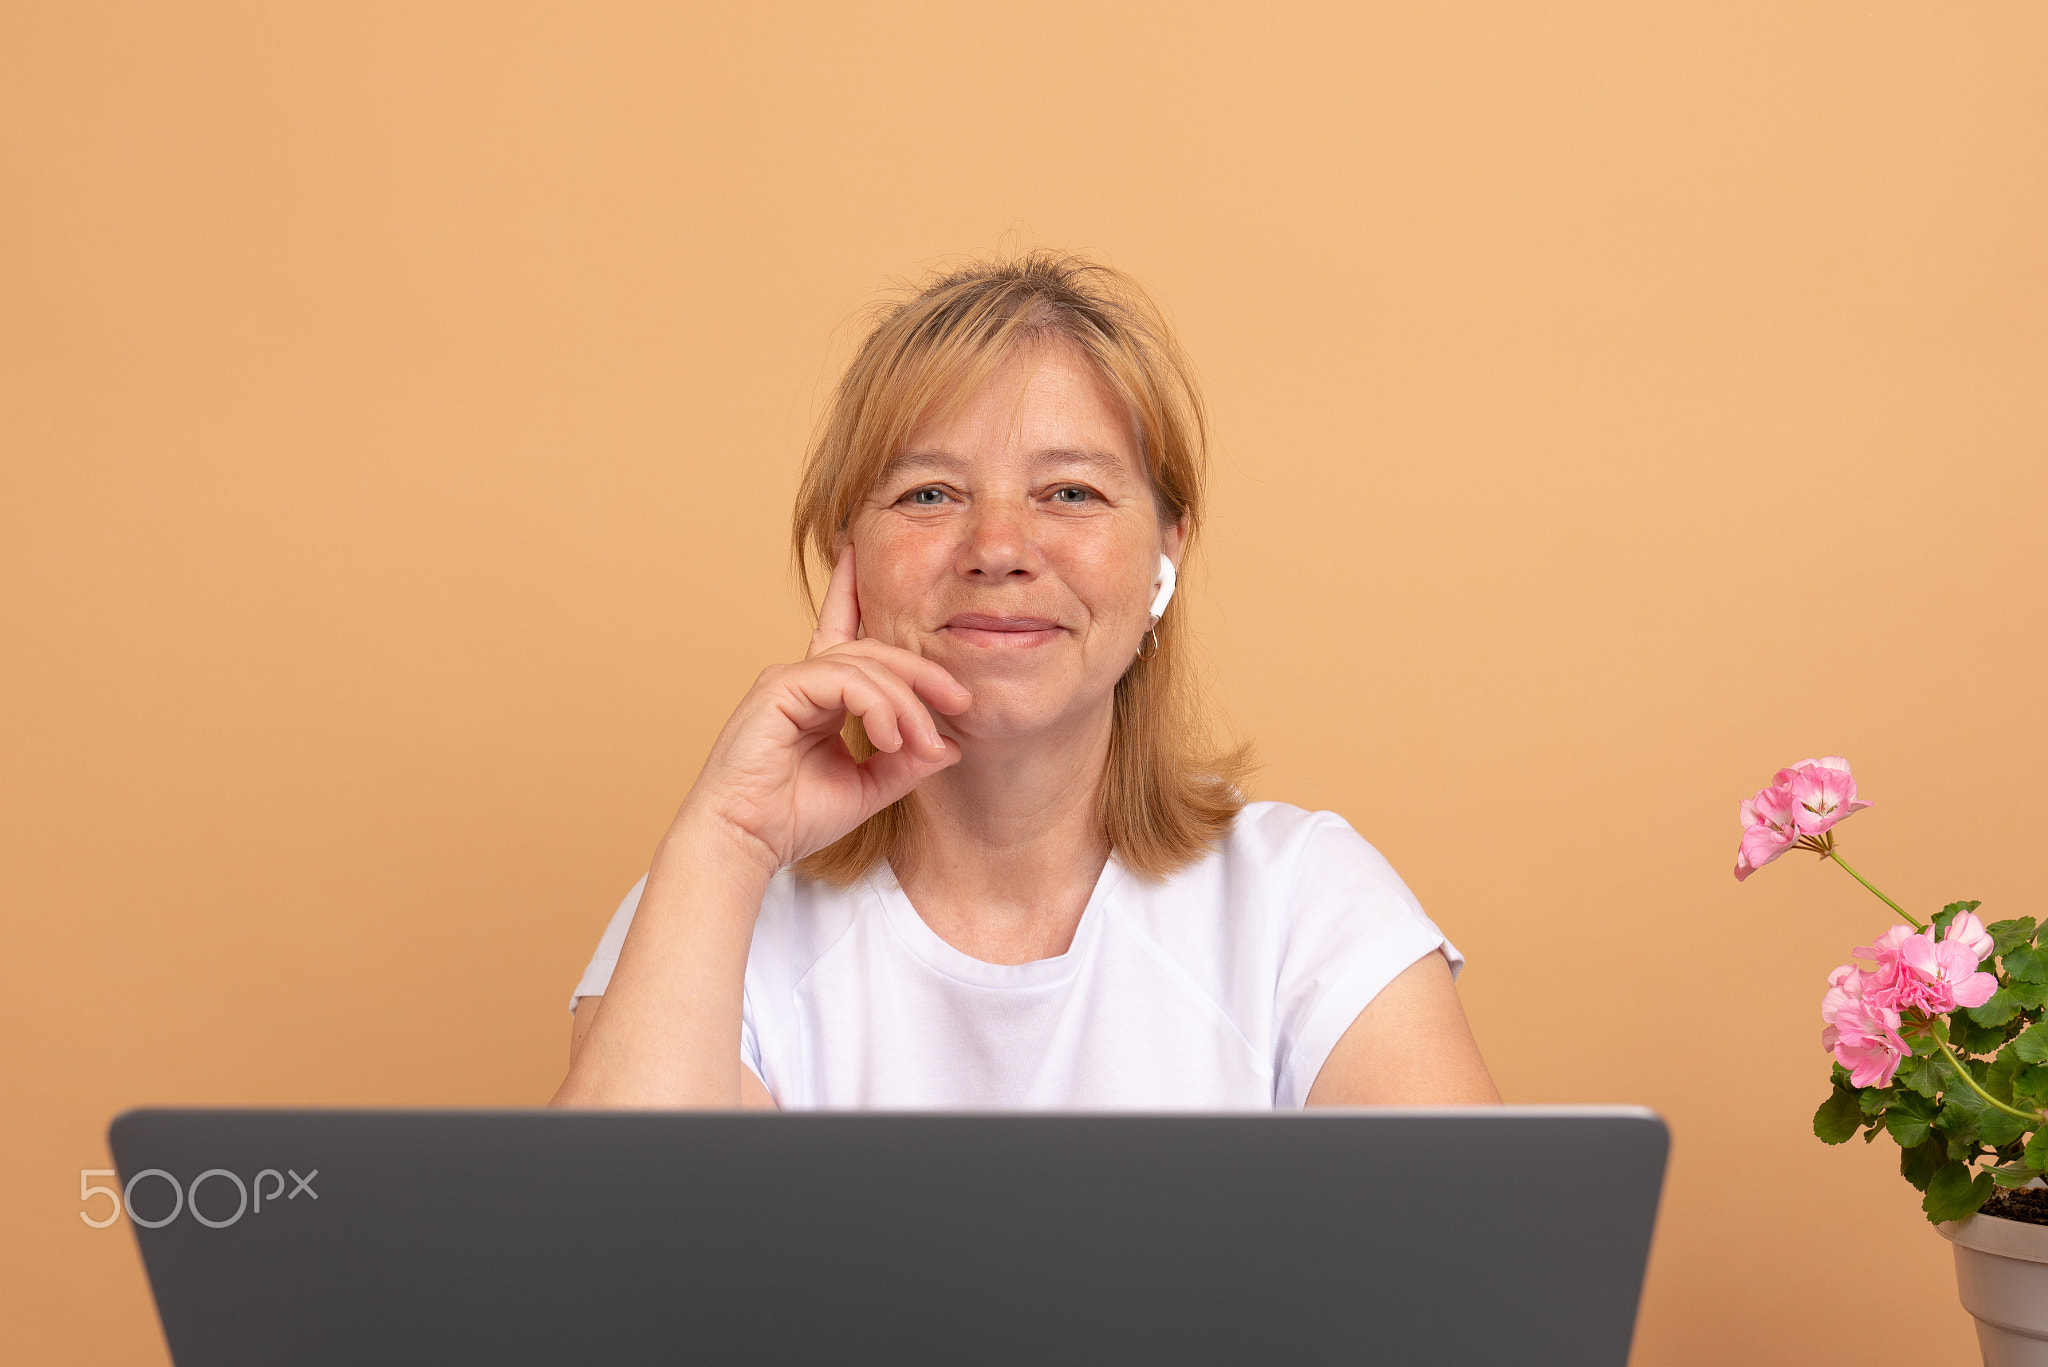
(1514, 1234)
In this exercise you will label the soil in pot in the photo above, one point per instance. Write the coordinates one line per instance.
(2028, 1205)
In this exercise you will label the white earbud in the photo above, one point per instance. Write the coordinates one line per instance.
(1164, 594)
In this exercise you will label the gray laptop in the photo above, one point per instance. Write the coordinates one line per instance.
(1514, 1235)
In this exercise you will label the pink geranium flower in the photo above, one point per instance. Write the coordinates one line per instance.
(1938, 978)
(1968, 931)
(1867, 1043)
(1914, 973)
(1769, 828)
(1846, 986)
(1823, 792)
(1885, 951)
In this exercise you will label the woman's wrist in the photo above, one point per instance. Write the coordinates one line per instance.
(705, 841)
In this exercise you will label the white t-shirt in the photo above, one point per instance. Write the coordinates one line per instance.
(1221, 988)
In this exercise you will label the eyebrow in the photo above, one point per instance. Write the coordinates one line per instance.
(918, 462)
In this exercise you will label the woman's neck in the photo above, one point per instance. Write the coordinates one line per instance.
(1011, 843)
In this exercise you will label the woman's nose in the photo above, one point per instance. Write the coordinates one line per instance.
(998, 546)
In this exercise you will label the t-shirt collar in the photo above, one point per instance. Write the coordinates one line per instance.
(926, 944)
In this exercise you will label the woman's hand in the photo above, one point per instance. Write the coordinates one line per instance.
(780, 777)
(778, 785)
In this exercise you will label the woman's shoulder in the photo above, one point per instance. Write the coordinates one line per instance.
(1283, 831)
(1288, 895)
(1291, 853)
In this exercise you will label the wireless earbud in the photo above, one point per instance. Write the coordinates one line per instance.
(1164, 594)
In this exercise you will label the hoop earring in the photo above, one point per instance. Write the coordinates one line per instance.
(1152, 635)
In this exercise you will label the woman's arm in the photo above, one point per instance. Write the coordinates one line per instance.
(669, 1030)
(779, 783)
(754, 1094)
(1410, 1046)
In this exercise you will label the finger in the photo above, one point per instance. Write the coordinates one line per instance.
(825, 690)
(913, 718)
(929, 678)
(839, 616)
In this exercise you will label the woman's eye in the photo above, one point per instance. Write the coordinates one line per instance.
(927, 498)
(1073, 493)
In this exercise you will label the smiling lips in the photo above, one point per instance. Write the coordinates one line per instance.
(1001, 633)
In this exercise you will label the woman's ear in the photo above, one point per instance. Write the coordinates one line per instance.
(1173, 541)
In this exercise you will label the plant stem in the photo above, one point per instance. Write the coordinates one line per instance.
(1837, 857)
(2032, 1116)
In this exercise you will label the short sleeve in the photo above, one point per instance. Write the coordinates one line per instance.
(597, 974)
(1352, 927)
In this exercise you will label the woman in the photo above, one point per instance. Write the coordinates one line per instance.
(1018, 879)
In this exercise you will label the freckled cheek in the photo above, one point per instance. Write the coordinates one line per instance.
(900, 576)
(1102, 577)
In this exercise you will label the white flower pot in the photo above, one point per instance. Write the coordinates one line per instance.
(2002, 1273)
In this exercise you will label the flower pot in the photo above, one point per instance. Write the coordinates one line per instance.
(2002, 1273)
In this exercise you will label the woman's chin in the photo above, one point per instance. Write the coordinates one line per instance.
(995, 728)
(1002, 711)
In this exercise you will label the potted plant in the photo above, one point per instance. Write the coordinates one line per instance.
(1939, 1043)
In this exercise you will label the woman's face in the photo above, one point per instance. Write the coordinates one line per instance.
(1016, 542)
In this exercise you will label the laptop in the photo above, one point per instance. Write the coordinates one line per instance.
(360, 1237)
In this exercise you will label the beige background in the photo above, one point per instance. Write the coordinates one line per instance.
(399, 408)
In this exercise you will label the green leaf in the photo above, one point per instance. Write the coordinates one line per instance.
(2037, 1150)
(1838, 1118)
(1875, 1099)
(1998, 1081)
(1997, 1011)
(1923, 1075)
(2030, 1087)
(1962, 1033)
(1958, 1120)
(1919, 1163)
(1840, 1076)
(2013, 1175)
(1910, 1120)
(2029, 996)
(2006, 934)
(1921, 1040)
(1954, 1195)
(1959, 1103)
(2025, 964)
(1998, 1129)
(1971, 1038)
(2032, 1043)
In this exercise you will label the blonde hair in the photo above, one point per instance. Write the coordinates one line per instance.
(1168, 795)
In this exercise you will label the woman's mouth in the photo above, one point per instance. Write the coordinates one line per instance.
(1002, 633)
